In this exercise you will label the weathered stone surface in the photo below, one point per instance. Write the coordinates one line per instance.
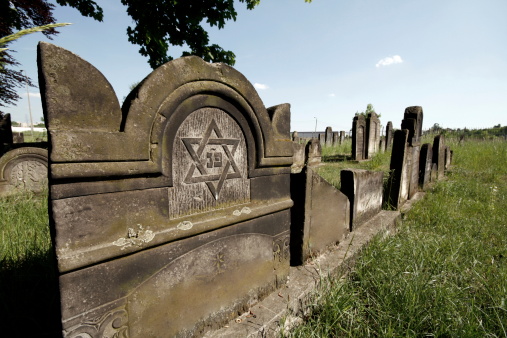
(389, 135)
(413, 167)
(319, 218)
(439, 155)
(382, 144)
(434, 172)
(298, 157)
(411, 125)
(328, 134)
(182, 194)
(336, 138)
(396, 192)
(364, 190)
(24, 169)
(447, 157)
(358, 138)
(425, 164)
(416, 113)
(18, 137)
(295, 137)
(372, 134)
(313, 152)
(342, 136)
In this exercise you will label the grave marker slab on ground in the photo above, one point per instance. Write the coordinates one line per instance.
(358, 138)
(425, 164)
(181, 195)
(439, 155)
(372, 135)
(396, 192)
(389, 134)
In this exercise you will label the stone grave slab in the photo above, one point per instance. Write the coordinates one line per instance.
(425, 164)
(358, 138)
(416, 113)
(328, 135)
(413, 166)
(364, 190)
(389, 134)
(24, 168)
(171, 213)
(396, 192)
(439, 155)
(313, 152)
(372, 134)
(320, 216)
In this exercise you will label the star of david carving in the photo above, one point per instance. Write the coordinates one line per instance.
(214, 181)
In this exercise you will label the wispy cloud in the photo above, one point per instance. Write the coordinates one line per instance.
(390, 60)
(260, 86)
(332, 95)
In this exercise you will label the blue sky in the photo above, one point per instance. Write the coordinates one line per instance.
(328, 59)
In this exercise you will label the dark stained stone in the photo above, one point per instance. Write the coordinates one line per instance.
(319, 218)
(411, 125)
(416, 113)
(439, 155)
(182, 195)
(425, 164)
(396, 192)
(364, 191)
(342, 136)
(413, 167)
(359, 138)
(5, 133)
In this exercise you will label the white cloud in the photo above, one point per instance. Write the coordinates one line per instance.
(332, 95)
(390, 60)
(260, 86)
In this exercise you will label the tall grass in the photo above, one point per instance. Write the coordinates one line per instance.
(443, 274)
(28, 288)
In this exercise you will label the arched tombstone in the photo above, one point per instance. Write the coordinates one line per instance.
(359, 138)
(171, 214)
(24, 169)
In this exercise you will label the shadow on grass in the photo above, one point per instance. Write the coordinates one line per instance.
(30, 304)
(336, 158)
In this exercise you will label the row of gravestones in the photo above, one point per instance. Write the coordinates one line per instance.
(328, 138)
(177, 211)
(22, 165)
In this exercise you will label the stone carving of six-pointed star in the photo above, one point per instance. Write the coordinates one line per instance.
(214, 181)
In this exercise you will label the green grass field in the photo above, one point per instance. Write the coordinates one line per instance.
(443, 274)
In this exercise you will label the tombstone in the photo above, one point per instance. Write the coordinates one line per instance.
(416, 113)
(5, 133)
(298, 159)
(372, 134)
(411, 125)
(328, 135)
(342, 136)
(382, 144)
(434, 171)
(364, 190)
(389, 135)
(396, 192)
(322, 139)
(413, 168)
(319, 218)
(18, 137)
(358, 138)
(313, 152)
(295, 137)
(170, 215)
(439, 155)
(24, 168)
(447, 157)
(425, 164)
(336, 138)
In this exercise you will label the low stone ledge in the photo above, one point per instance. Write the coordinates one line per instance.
(264, 317)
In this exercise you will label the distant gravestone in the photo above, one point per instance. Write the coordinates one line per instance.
(322, 139)
(447, 157)
(372, 134)
(18, 137)
(298, 159)
(295, 137)
(413, 167)
(342, 136)
(439, 155)
(358, 138)
(396, 192)
(313, 152)
(364, 190)
(336, 138)
(320, 216)
(382, 144)
(329, 136)
(416, 113)
(171, 215)
(389, 135)
(425, 164)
